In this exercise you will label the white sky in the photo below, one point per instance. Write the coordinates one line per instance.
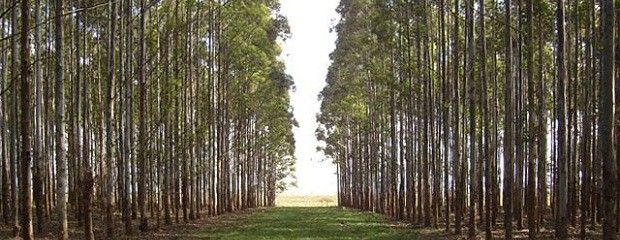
(306, 55)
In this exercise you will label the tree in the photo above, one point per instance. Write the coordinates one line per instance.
(38, 137)
(587, 185)
(142, 156)
(13, 133)
(456, 165)
(126, 122)
(606, 129)
(508, 125)
(109, 120)
(484, 102)
(532, 158)
(6, 139)
(87, 184)
(471, 81)
(562, 158)
(26, 117)
(61, 159)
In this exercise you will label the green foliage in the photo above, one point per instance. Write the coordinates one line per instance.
(252, 33)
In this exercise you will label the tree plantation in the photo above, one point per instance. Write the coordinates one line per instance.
(489, 119)
(160, 111)
(486, 118)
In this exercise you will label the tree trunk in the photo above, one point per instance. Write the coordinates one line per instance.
(606, 129)
(128, 209)
(26, 118)
(38, 154)
(484, 102)
(458, 201)
(508, 125)
(108, 123)
(14, 124)
(61, 158)
(142, 149)
(87, 186)
(532, 159)
(562, 160)
(471, 81)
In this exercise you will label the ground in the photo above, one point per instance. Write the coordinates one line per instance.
(294, 217)
(308, 223)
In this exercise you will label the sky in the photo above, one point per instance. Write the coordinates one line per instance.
(306, 55)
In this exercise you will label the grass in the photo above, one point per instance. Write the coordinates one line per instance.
(309, 223)
(295, 217)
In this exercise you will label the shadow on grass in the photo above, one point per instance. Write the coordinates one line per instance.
(310, 223)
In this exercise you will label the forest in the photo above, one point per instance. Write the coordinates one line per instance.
(122, 115)
(486, 118)
(489, 119)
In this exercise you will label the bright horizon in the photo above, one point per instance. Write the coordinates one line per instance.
(306, 55)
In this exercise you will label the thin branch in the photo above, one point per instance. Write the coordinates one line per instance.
(52, 18)
(8, 9)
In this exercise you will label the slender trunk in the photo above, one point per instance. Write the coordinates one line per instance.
(542, 132)
(14, 125)
(458, 201)
(473, 178)
(606, 127)
(532, 159)
(26, 117)
(108, 123)
(88, 179)
(128, 208)
(484, 102)
(562, 160)
(142, 149)
(61, 158)
(142, 158)
(508, 127)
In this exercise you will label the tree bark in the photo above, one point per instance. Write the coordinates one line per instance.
(508, 125)
(532, 159)
(108, 123)
(61, 158)
(471, 81)
(561, 231)
(26, 117)
(606, 126)
(142, 122)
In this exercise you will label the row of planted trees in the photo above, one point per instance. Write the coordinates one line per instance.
(490, 114)
(123, 109)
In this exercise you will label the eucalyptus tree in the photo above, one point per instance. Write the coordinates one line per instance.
(606, 130)
(486, 191)
(508, 125)
(561, 108)
(109, 118)
(25, 119)
(471, 81)
(142, 144)
(531, 197)
(59, 102)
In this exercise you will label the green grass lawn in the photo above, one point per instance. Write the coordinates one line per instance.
(308, 223)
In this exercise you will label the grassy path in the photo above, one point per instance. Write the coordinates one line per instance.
(308, 223)
(292, 222)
